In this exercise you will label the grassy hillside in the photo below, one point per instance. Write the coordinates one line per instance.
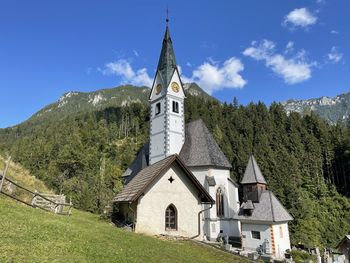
(21, 176)
(31, 235)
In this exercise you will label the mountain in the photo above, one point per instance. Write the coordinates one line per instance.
(331, 109)
(72, 103)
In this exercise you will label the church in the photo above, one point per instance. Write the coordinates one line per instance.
(179, 183)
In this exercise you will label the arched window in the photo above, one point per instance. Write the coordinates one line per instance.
(219, 203)
(171, 218)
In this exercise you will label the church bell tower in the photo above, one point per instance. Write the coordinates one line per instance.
(167, 122)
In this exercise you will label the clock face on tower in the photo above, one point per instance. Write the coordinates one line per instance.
(175, 87)
(158, 88)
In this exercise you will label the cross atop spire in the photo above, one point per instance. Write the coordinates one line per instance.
(167, 16)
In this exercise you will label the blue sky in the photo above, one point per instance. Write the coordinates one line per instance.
(253, 50)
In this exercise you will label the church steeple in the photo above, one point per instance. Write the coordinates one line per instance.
(167, 131)
(167, 62)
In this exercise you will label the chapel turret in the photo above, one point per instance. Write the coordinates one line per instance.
(253, 181)
(167, 122)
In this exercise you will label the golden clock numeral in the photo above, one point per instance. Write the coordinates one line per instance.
(175, 87)
(158, 88)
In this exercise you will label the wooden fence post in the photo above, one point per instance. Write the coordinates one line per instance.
(4, 173)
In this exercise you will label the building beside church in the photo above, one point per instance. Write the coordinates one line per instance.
(179, 183)
(264, 220)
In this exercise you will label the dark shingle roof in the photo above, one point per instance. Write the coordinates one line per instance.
(145, 177)
(248, 205)
(269, 209)
(141, 161)
(252, 173)
(200, 148)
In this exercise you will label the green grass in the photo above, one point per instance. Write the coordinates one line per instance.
(32, 235)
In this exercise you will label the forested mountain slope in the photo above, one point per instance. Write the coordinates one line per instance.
(305, 160)
(74, 103)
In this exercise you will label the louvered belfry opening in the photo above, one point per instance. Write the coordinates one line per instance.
(171, 218)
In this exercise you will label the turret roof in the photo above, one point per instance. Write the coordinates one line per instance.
(252, 173)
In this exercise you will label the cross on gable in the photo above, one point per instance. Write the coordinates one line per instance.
(171, 179)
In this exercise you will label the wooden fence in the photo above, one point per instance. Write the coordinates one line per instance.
(47, 202)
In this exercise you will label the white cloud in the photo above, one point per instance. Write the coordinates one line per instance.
(335, 32)
(211, 76)
(135, 53)
(289, 47)
(334, 56)
(292, 70)
(179, 69)
(123, 69)
(300, 17)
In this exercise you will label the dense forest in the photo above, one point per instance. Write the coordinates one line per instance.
(305, 160)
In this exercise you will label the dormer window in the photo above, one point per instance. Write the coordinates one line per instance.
(175, 106)
(157, 108)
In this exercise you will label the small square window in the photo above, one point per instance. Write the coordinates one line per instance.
(157, 108)
(256, 235)
(175, 107)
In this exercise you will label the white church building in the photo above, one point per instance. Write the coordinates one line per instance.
(179, 183)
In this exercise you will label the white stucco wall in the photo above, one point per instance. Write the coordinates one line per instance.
(152, 205)
(157, 146)
(212, 224)
(279, 234)
(221, 178)
(199, 173)
(158, 123)
(249, 243)
(282, 241)
(175, 143)
(175, 120)
(233, 198)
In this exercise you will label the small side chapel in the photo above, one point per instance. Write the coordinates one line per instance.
(179, 183)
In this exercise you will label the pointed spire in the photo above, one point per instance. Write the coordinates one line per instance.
(252, 174)
(167, 61)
